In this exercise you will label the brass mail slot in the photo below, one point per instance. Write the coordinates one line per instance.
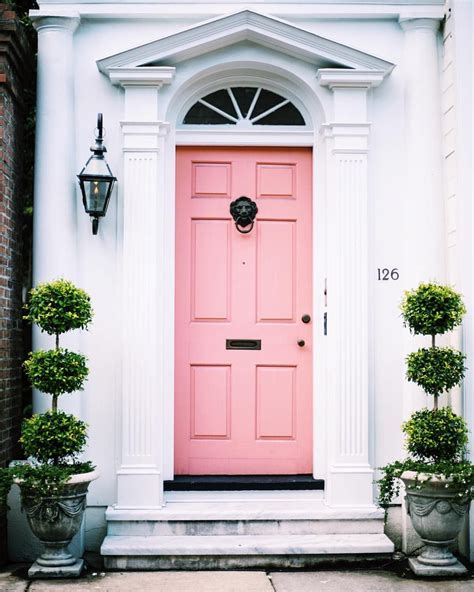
(243, 344)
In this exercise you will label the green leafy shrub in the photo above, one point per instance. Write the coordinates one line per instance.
(436, 369)
(56, 371)
(59, 306)
(39, 481)
(460, 474)
(47, 480)
(432, 309)
(53, 437)
(436, 435)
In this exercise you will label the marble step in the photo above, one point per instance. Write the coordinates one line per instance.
(235, 551)
(244, 518)
(242, 527)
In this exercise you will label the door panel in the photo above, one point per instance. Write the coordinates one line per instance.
(243, 411)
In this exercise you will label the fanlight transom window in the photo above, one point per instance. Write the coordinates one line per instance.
(244, 107)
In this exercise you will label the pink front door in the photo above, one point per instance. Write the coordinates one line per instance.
(243, 411)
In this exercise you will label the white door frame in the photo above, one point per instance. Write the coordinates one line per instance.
(288, 140)
(341, 362)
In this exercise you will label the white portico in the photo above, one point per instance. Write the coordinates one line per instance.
(365, 116)
(147, 145)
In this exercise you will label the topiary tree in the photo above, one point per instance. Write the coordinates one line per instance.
(56, 437)
(436, 439)
(433, 310)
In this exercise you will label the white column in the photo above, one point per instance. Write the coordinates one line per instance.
(55, 224)
(423, 246)
(422, 199)
(350, 474)
(140, 476)
(54, 246)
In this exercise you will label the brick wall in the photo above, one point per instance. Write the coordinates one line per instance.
(16, 71)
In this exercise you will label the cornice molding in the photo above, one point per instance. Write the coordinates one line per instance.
(186, 9)
(245, 25)
(152, 76)
(341, 78)
(413, 23)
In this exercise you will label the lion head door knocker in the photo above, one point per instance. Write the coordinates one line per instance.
(243, 210)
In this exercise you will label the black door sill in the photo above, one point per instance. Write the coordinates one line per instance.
(242, 482)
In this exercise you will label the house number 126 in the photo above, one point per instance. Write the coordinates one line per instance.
(385, 274)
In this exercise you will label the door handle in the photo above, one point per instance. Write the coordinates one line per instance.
(301, 342)
(306, 319)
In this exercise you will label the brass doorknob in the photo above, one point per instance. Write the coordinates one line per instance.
(301, 342)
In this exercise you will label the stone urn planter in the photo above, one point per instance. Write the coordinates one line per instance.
(55, 521)
(437, 513)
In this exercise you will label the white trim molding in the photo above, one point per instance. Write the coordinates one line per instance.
(139, 478)
(149, 154)
(140, 475)
(186, 9)
(245, 25)
(350, 474)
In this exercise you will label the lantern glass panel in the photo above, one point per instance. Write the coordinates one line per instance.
(96, 192)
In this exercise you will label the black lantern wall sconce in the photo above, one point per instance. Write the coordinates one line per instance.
(96, 180)
(243, 210)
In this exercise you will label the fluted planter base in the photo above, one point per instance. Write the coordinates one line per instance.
(437, 514)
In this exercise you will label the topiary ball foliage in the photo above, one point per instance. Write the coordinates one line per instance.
(53, 437)
(57, 307)
(436, 369)
(436, 435)
(56, 371)
(432, 309)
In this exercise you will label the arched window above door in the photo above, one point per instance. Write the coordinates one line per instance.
(244, 106)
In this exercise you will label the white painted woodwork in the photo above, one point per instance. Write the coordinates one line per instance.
(350, 473)
(139, 478)
(304, 9)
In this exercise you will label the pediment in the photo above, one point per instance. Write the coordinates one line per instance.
(251, 26)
